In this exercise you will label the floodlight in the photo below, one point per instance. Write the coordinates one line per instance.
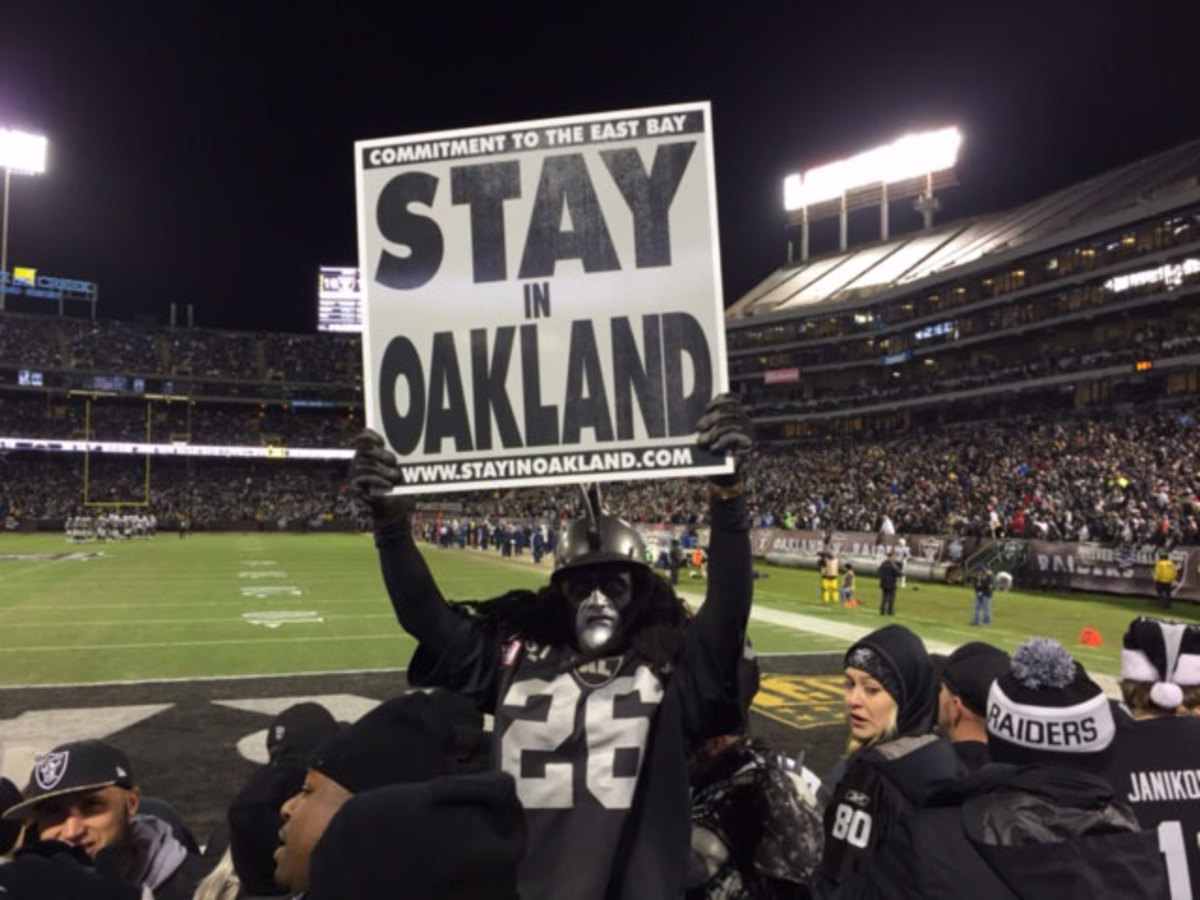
(22, 152)
(906, 158)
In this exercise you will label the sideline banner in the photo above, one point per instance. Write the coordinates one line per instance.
(1113, 570)
(929, 547)
(542, 299)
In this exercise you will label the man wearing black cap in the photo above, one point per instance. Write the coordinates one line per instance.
(967, 676)
(412, 738)
(83, 794)
(253, 816)
(1042, 821)
(600, 683)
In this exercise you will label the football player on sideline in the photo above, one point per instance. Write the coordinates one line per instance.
(600, 683)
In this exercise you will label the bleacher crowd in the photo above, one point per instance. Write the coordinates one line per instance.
(1132, 476)
(1012, 366)
(134, 420)
(47, 343)
(976, 774)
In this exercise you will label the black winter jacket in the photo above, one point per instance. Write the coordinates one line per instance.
(879, 785)
(1006, 832)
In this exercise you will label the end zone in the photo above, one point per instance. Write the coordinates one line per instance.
(182, 736)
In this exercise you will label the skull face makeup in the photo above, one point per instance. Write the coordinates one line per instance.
(600, 596)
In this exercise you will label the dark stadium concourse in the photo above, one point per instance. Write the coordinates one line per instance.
(189, 741)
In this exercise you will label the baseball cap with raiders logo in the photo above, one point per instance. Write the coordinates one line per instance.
(77, 766)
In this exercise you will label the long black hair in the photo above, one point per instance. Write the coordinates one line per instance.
(655, 617)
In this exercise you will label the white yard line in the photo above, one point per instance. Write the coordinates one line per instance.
(851, 633)
(226, 620)
(157, 644)
(201, 678)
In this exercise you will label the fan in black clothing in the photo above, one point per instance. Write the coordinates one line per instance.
(600, 683)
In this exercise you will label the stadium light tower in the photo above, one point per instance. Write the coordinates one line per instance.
(24, 154)
(911, 166)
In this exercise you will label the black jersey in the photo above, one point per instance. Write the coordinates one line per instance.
(575, 740)
(880, 784)
(598, 748)
(599, 754)
(1156, 772)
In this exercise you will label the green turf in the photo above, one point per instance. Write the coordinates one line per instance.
(171, 608)
(940, 612)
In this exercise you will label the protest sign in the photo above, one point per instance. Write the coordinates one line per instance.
(542, 299)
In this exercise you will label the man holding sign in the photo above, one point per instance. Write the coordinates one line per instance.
(600, 684)
(543, 307)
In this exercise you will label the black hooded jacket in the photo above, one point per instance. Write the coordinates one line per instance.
(885, 780)
(1006, 832)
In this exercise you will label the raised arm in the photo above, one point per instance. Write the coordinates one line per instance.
(419, 605)
(716, 637)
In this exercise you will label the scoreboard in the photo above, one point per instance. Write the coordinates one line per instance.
(339, 299)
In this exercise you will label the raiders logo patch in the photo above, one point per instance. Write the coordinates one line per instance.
(858, 798)
(599, 671)
(49, 769)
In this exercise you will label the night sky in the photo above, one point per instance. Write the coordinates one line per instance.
(202, 153)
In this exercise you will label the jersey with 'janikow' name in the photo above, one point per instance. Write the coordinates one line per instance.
(1156, 772)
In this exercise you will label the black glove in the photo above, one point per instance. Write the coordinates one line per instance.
(53, 869)
(373, 474)
(724, 428)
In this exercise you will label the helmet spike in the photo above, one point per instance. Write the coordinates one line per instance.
(597, 537)
(593, 511)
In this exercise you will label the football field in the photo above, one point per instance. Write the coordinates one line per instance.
(256, 604)
(182, 651)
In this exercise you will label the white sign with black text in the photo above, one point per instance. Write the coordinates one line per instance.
(542, 299)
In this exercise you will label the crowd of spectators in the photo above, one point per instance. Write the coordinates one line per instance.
(1130, 476)
(56, 417)
(29, 341)
(943, 375)
(49, 487)
(1133, 477)
(48, 343)
(56, 343)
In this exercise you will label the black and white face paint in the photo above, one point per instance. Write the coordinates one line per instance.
(601, 599)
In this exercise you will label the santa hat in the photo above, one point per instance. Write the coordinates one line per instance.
(1187, 664)
(1045, 709)
(1165, 655)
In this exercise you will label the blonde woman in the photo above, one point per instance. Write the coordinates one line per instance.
(221, 883)
(893, 761)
